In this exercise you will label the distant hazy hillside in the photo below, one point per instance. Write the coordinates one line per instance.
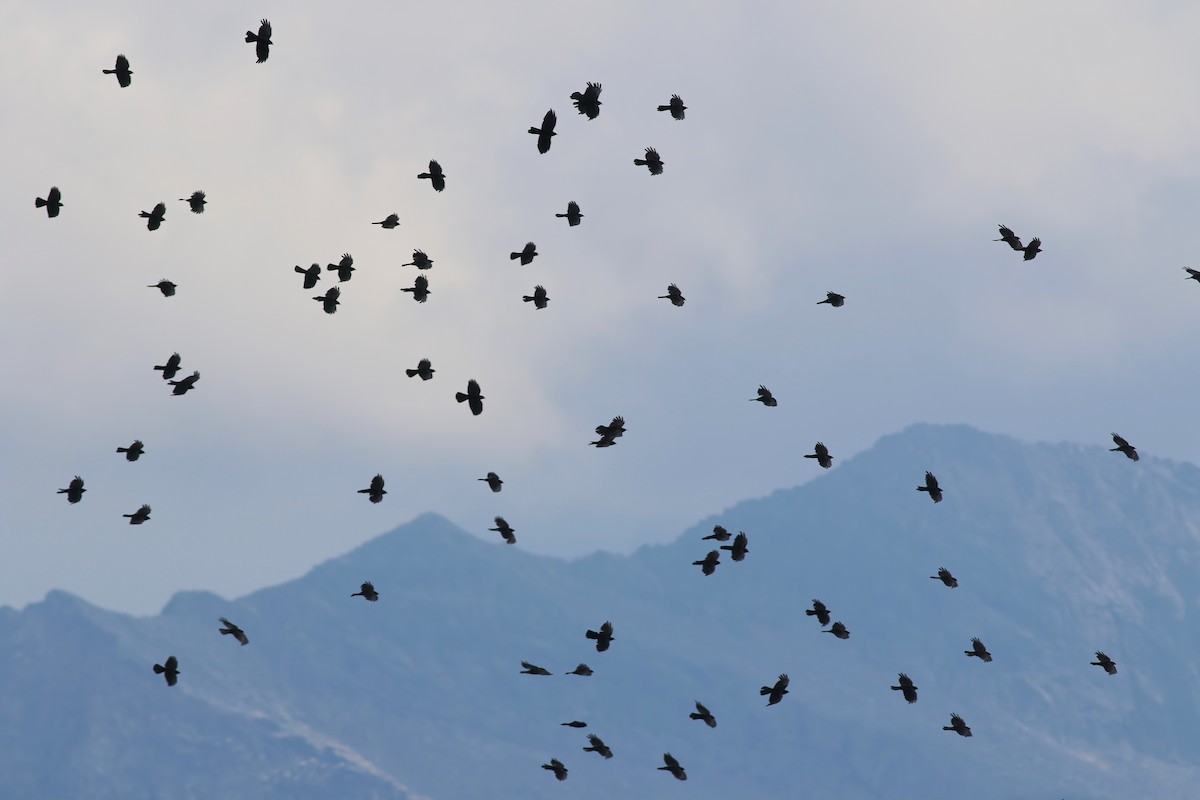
(1060, 550)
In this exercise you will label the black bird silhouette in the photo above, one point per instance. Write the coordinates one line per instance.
(603, 637)
(957, 725)
(1125, 447)
(582, 669)
(574, 724)
(1102, 660)
(505, 530)
(420, 260)
(170, 670)
(775, 693)
(557, 768)
(588, 101)
(367, 592)
(676, 107)
(171, 368)
(906, 686)
(737, 550)
(978, 651)
(229, 629)
(839, 630)
(134, 451)
(122, 71)
(1193, 274)
(139, 516)
(435, 176)
(471, 397)
(765, 397)
(703, 713)
(154, 218)
(821, 454)
(1033, 248)
(931, 486)
(389, 222)
(493, 481)
(165, 286)
(185, 385)
(329, 301)
(262, 40)
(545, 132)
(945, 577)
(420, 289)
(819, 611)
(343, 268)
(610, 433)
(674, 295)
(195, 202)
(1008, 237)
(719, 533)
(52, 202)
(834, 299)
(539, 298)
(652, 161)
(533, 669)
(597, 745)
(672, 766)
(424, 369)
(573, 216)
(708, 565)
(74, 490)
(311, 275)
(375, 491)
(527, 254)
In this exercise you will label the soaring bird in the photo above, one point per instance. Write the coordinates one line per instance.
(588, 102)
(526, 254)
(839, 630)
(195, 202)
(978, 651)
(719, 533)
(1193, 274)
(343, 268)
(574, 724)
(957, 725)
(819, 611)
(834, 299)
(171, 368)
(435, 176)
(165, 286)
(573, 215)
(1033, 248)
(539, 298)
(74, 490)
(505, 530)
(420, 289)
(122, 71)
(674, 295)
(139, 516)
(1008, 237)
(583, 670)
(533, 669)
(821, 454)
(708, 565)
(557, 768)
(134, 451)
(493, 481)
(738, 550)
(597, 745)
(471, 397)
(931, 486)
(652, 161)
(1125, 447)
(424, 369)
(229, 629)
(945, 577)
(765, 397)
(184, 385)
(329, 301)
(52, 202)
(419, 260)
(704, 714)
(154, 218)
(375, 491)
(1102, 660)
(775, 693)
(367, 592)
(603, 637)
(389, 222)
(676, 107)
(906, 686)
(610, 433)
(170, 670)
(545, 132)
(673, 767)
(262, 40)
(311, 275)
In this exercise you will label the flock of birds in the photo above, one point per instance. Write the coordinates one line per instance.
(588, 104)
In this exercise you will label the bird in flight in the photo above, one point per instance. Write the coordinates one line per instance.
(674, 295)
(597, 745)
(169, 670)
(493, 481)
(945, 577)
(906, 686)
(139, 516)
(375, 491)
(673, 767)
(557, 768)
(389, 222)
(122, 71)
(1102, 660)
(719, 533)
(311, 275)
(582, 669)
(329, 301)
(533, 669)
(765, 397)
(819, 611)
(1033, 248)
(545, 132)
(154, 218)
(526, 254)
(775, 693)
(420, 289)
(931, 486)
(471, 397)
(588, 102)
(839, 630)
(184, 385)
(603, 637)
(539, 298)
(262, 41)
(1193, 274)
(424, 369)
(52, 202)
(1011, 239)
(676, 107)
(957, 725)
(171, 368)
(505, 530)
(702, 713)
(74, 490)
(609, 433)
(821, 454)
(573, 215)
(435, 176)
(574, 724)
(738, 550)
(978, 651)
(229, 629)
(419, 260)
(165, 286)
(134, 451)
(195, 202)
(652, 161)
(708, 565)
(1125, 447)
(367, 592)
(343, 268)
(834, 299)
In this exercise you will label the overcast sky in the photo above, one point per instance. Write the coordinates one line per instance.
(865, 148)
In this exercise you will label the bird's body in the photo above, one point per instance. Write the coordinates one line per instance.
(424, 369)
(389, 222)
(957, 725)
(262, 41)
(472, 397)
(739, 548)
(834, 299)
(195, 202)
(588, 102)
(775, 693)
(134, 451)
(154, 218)
(675, 106)
(229, 629)
(505, 530)
(493, 481)
(557, 768)
(139, 516)
(708, 565)
(122, 71)
(419, 260)
(526, 254)
(1104, 661)
(169, 670)
(945, 577)
(546, 132)
(573, 216)
(819, 611)
(344, 268)
(420, 289)
(931, 486)
(906, 686)
(1125, 447)
(821, 454)
(435, 176)
(184, 385)
(652, 161)
(765, 397)
(74, 490)
(311, 275)
(603, 637)
(674, 295)
(165, 286)
(978, 650)
(839, 630)
(375, 491)
(597, 745)
(171, 368)
(719, 533)
(539, 298)
(52, 202)
(533, 669)
(329, 301)
(367, 592)
(583, 670)
(672, 766)
(702, 713)
(574, 724)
